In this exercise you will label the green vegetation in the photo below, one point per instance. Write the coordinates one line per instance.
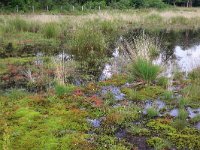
(51, 96)
(152, 112)
(144, 70)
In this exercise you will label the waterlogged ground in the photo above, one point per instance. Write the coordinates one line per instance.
(104, 115)
(112, 112)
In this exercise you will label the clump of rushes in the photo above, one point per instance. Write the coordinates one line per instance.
(152, 112)
(144, 70)
(180, 122)
(51, 30)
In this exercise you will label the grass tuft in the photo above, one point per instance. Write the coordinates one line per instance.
(144, 70)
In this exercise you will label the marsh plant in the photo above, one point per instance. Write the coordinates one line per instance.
(142, 46)
(141, 53)
(88, 47)
(152, 112)
(144, 70)
(63, 69)
(51, 30)
(180, 122)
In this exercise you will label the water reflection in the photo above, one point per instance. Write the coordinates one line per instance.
(180, 51)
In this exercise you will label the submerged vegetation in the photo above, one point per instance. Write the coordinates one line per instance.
(94, 81)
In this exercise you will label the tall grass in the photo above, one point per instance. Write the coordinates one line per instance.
(88, 40)
(180, 122)
(51, 30)
(19, 25)
(88, 46)
(144, 70)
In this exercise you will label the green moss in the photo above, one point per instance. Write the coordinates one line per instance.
(26, 113)
(158, 143)
(106, 142)
(133, 94)
(76, 141)
(62, 90)
(158, 127)
(116, 80)
(139, 131)
(149, 92)
(152, 91)
(182, 141)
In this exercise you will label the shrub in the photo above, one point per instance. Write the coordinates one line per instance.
(121, 4)
(148, 3)
(95, 5)
(144, 70)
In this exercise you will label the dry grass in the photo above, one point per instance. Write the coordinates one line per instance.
(129, 17)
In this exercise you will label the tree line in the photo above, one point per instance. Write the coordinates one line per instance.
(119, 4)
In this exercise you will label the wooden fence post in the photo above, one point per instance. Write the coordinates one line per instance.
(33, 9)
(17, 7)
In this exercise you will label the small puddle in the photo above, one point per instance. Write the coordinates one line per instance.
(174, 112)
(118, 95)
(96, 123)
(198, 126)
(121, 134)
(157, 104)
(193, 112)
